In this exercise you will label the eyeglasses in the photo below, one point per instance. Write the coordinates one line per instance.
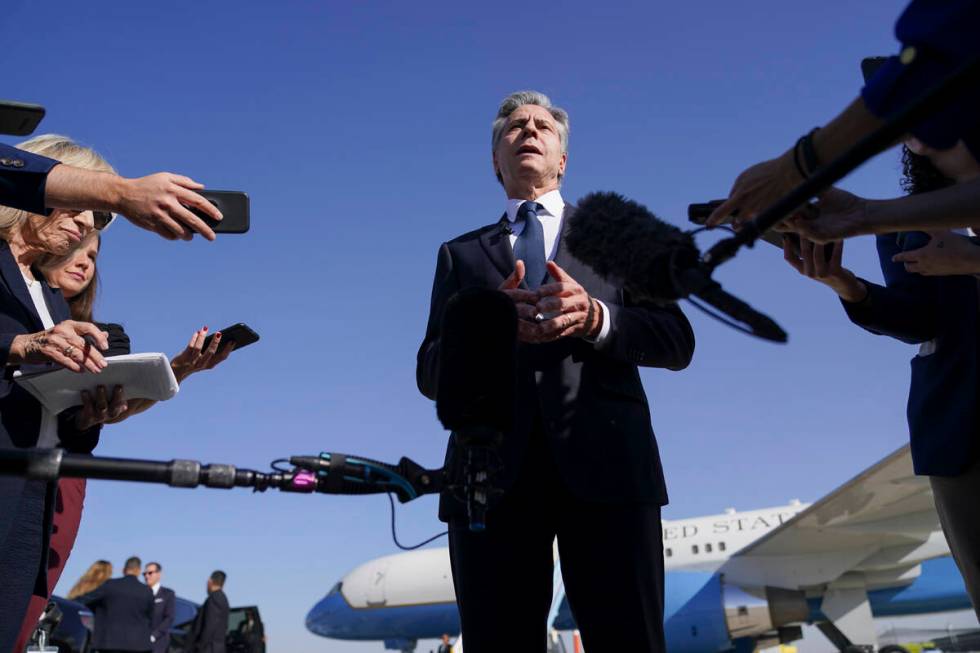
(102, 219)
(150, 573)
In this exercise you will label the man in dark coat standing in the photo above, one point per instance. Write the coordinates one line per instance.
(211, 624)
(123, 609)
(164, 604)
(581, 461)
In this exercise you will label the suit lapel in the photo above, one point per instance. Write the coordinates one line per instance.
(15, 282)
(496, 244)
(57, 305)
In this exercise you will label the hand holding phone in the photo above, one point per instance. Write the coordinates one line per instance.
(240, 334)
(698, 214)
(234, 206)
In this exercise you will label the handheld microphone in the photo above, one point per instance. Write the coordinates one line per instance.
(655, 260)
(476, 392)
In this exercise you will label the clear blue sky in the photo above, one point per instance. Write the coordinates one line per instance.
(361, 132)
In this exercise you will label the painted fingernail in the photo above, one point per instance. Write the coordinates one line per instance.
(217, 336)
(205, 328)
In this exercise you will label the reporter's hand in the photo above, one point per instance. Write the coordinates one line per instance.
(100, 408)
(159, 202)
(568, 302)
(837, 214)
(811, 261)
(757, 188)
(195, 358)
(947, 253)
(64, 345)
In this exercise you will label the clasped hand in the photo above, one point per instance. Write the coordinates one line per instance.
(566, 306)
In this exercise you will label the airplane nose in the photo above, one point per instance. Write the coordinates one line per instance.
(331, 617)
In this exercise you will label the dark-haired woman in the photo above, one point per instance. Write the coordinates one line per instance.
(940, 314)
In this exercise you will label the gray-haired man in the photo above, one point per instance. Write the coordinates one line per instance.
(581, 463)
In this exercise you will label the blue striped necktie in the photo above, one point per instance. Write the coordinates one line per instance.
(529, 246)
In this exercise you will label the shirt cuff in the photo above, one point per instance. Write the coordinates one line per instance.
(603, 334)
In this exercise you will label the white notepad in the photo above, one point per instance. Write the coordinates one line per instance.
(142, 376)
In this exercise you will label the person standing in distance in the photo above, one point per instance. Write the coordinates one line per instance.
(211, 624)
(123, 609)
(164, 601)
(581, 462)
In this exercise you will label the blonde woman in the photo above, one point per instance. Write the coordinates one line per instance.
(35, 327)
(98, 573)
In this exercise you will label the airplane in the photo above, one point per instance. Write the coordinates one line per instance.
(737, 581)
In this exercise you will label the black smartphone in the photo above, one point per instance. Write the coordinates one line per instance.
(19, 118)
(240, 334)
(698, 214)
(794, 239)
(234, 209)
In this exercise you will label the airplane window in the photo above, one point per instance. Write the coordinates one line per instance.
(668, 552)
(721, 546)
(694, 548)
(707, 548)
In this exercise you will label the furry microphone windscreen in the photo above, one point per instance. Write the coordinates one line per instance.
(620, 238)
(478, 361)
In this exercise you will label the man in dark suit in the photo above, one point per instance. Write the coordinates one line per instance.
(211, 624)
(123, 609)
(164, 602)
(581, 462)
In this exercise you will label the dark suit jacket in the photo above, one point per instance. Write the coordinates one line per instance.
(210, 626)
(22, 179)
(163, 618)
(123, 609)
(941, 311)
(588, 399)
(20, 413)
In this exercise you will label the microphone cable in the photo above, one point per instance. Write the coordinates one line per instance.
(394, 534)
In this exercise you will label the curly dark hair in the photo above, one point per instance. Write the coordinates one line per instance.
(919, 175)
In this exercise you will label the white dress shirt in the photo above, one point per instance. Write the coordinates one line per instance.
(551, 217)
(48, 437)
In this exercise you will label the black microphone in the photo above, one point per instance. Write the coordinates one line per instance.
(476, 392)
(655, 260)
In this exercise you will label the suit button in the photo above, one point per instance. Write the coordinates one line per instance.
(6, 162)
(18, 163)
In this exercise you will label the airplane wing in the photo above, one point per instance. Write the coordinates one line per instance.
(879, 526)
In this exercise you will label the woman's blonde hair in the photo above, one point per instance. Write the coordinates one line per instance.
(81, 305)
(98, 573)
(59, 148)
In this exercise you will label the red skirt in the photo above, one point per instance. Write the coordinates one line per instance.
(67, 517)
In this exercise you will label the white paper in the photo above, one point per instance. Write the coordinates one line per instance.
(142, 376)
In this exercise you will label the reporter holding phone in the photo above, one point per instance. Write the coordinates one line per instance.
(161, 203)
(939, 313)
(35, 327)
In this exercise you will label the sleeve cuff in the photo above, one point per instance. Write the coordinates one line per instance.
(603, 334)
